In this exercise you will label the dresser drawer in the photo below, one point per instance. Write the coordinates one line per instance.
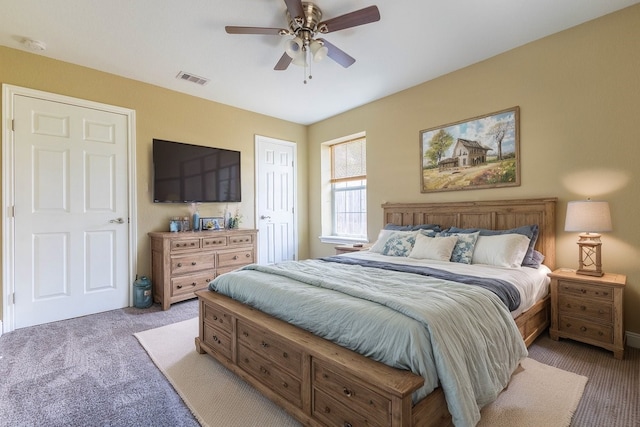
(332, 413)
(241, 239)
(276, 350)
(583, 307)
(585, 290)
(188, 263)
(178, 245)
(239, 257)
(218, 317)
(218, 340)
(190, 283)
(585, 329)
(350, 392)
(266, 372)
(214, 242)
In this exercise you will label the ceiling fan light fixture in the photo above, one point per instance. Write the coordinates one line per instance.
(293, 47)
(318, 51)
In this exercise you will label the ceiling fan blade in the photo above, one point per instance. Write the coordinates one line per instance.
(352, 19)
(338, 55)
(295, 8)
(283, 63)
(256, 30)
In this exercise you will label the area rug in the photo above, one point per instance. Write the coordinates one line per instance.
(538, 394)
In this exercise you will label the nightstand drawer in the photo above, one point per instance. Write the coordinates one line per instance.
(585, 329)
(585, 290)
(583, 307)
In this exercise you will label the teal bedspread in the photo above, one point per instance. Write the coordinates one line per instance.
(459, 336)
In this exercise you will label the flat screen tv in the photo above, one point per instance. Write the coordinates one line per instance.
(186, 173)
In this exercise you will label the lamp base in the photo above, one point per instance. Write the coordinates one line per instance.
(590, 272)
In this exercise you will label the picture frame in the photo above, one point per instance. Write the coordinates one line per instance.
(476, 153)
(212, 223)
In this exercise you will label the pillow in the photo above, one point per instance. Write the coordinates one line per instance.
(399, 244)
(383, 236)
(502, 250)
(531, 231)
(536, 260)
(434, 227)
(438, 248)
(463, 250)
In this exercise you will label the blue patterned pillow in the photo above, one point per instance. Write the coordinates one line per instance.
(463, 250)
(399, 244)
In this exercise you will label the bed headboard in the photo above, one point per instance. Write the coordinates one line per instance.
(491, 214)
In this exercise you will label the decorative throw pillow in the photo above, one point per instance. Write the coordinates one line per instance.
(502, 250)
(399, 244)
(384, 236)
(463, 251)
(437, 248)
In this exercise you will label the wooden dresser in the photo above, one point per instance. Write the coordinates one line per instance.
(184, 262)
(588, 309)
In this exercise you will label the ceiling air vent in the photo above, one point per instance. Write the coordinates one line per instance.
(192, 78)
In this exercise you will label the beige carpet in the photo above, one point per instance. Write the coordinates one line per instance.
(538, 395)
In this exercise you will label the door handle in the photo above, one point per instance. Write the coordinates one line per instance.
(265, 217)
(117, 221)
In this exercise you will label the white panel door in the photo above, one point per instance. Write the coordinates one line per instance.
(275, 193)
(71, 211)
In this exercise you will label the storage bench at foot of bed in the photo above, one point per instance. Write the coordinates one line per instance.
(316, 381)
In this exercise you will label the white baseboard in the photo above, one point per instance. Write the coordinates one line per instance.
(0, 328)
(633, 339)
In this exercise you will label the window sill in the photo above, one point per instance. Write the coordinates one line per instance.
(342, 240)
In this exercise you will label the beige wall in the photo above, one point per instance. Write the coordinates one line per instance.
(169, 115)
(579, 98)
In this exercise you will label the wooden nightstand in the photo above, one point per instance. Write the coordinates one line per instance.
(343, 249)
(588, 309)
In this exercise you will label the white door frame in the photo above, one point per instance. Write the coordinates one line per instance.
(257, 140)
(9, 92)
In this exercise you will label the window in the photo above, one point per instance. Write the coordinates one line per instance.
(349, 189)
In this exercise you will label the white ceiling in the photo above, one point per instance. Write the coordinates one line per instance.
(414, 41)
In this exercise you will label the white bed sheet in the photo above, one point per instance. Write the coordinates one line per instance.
(532, 283)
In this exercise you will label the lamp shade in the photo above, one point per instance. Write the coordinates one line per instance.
(293, 47)
(318, 51)
(588, 216)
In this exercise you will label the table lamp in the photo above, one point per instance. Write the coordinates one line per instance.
(589, 217)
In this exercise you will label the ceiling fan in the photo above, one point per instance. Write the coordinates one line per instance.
(305, 23)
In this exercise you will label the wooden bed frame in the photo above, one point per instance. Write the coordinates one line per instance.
(321, 383)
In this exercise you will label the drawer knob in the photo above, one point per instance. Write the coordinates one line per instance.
(193, 284)
(179, 264)
(583, 328)
(247, 255)
(264, 344)
(285, 355)
(285, 385)
(584, 291)
(600, 333)
(215, 339)
(347, 392)
(215, 317)
(347, 424)
(583, 308)
(245, 334)
(193, 263)
(264, 370)
(327, 409)
(179, 286)
(235, 257)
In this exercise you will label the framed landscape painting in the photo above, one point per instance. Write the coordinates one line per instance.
(482, 152)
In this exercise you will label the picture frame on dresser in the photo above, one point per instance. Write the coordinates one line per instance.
(212, 223)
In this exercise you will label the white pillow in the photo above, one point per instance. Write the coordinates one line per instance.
(502, 250)
(384, 235)
(438, 248)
